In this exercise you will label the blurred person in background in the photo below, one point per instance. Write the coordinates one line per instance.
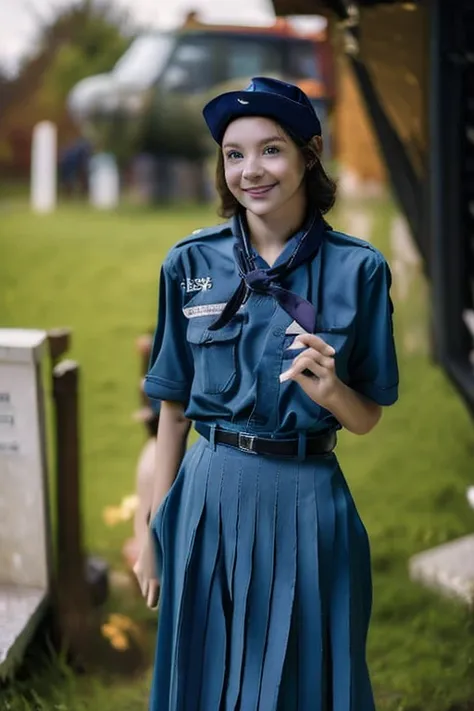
(274, 331)
(145, 477)
(74, 167)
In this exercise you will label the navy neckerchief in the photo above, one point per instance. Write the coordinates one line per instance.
(267, 281)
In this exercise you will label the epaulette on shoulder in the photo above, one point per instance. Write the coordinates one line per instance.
(206, 233)
(354, 241)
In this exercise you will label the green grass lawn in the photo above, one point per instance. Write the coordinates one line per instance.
(97, 273)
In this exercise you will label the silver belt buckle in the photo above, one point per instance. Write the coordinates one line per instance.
(246, 442)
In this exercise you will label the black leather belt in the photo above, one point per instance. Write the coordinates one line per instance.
(315, 445)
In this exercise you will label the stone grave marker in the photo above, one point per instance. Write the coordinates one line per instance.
(24, 512)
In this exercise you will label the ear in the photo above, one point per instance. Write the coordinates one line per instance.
(318, 140)
(315, 147)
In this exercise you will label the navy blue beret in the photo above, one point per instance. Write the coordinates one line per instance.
(284, 103)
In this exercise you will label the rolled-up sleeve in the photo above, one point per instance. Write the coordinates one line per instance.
(170, 372)
(373, 368)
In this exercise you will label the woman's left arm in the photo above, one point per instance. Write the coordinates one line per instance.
(354, 411)
(315, 371)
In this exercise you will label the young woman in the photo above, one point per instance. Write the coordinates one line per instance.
(274, 331)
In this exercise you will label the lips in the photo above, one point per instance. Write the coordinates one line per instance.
(260, 191)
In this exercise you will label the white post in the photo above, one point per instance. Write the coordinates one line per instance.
(43, 167)
(104, 181)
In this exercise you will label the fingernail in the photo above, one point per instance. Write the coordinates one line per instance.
(332, 351)
(285, 376)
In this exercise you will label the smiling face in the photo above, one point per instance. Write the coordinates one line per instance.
(264, 169)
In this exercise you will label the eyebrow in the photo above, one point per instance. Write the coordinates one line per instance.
(270, 139)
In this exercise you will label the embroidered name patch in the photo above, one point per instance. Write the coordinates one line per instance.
(203, 310)
(199, 284)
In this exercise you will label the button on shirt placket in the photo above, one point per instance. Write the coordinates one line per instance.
(265, 411)
(267, 391)
(262, 310)
(268, 371)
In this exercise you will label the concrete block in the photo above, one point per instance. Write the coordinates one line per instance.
(448, 569)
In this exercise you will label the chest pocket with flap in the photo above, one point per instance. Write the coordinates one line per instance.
(214, 353)
(339, 337)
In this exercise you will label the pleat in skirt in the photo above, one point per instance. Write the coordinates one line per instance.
(265, 587)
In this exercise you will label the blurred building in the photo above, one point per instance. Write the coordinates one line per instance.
(413, 63)
(361, 165)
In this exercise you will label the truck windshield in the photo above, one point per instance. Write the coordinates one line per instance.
(144, 60)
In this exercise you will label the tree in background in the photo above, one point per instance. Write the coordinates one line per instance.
(86, 38)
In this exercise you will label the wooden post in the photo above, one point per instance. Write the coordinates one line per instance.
(96, 569)
(59, 341)
(72, 594)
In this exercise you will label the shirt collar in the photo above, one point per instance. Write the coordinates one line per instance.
(240, 229)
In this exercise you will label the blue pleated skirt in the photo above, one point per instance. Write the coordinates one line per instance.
(265, 587)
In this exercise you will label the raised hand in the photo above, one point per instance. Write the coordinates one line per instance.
(314, 369)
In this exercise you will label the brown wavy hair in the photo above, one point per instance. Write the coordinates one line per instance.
(320, 188)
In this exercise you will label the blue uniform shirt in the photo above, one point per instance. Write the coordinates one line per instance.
(230, 377)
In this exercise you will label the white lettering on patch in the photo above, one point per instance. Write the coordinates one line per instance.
(199, 284)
